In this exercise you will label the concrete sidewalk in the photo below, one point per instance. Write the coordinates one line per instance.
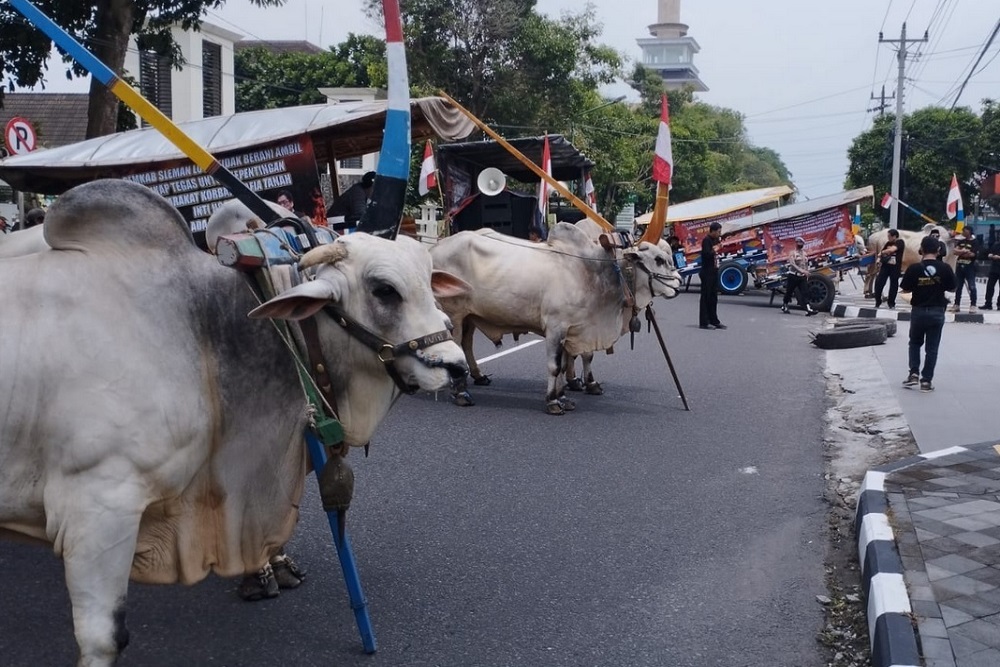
(929, 526)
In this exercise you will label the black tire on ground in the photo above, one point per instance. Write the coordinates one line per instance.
(890, 325)
(820, 292)
(733, 278)
(847, 337)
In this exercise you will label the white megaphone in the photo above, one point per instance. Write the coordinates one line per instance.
(491, 181)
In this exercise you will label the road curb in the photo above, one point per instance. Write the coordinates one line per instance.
(846, 310)
(891, 630)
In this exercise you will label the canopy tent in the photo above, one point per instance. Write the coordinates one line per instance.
(758, 218)
(717, 205)
(568, 163)
(337, 131)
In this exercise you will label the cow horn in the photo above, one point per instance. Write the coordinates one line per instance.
(329, 253)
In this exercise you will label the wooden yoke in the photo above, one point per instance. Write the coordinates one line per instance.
(538, 171)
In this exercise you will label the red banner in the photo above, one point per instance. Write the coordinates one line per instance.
(691, 232)
(824, 232)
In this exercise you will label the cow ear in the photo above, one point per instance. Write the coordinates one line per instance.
(605, 242)
(447, 285)
(298, 303)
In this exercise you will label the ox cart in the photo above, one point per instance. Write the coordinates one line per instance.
(755, 246)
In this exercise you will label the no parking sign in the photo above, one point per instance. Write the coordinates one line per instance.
(19, 135)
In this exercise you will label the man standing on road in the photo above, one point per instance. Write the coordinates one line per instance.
(708, 273)
(795, 282)
(966, 251)
(890, 260)
(927, 281)
(994, 256)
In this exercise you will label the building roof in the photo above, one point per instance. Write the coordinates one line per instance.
(280, 46)
(337, 131)
(58, 118)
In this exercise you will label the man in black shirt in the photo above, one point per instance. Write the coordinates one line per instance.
(927, 281)
(352, 204)
(966, 252)
(994, 256)
(890, 260)
(708, 273)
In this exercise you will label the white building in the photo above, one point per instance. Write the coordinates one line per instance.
(204, 86)
(670, 51)
(350, 170)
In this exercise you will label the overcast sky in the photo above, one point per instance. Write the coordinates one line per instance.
(801, 71)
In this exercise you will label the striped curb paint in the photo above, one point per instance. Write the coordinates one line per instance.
(891, 630)
(845, 310)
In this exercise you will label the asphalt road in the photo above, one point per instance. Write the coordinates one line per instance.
(629, 532)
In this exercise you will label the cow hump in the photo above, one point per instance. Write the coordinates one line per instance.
(115, 212)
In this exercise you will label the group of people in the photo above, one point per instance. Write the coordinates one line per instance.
(35, 216)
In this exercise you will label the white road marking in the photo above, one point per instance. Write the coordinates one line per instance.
(511, 350)
(749, 470)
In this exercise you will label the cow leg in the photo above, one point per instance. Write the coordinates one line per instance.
(556, 402)
(460, 386)
(593, 386)
(573, 383)
(94, 528)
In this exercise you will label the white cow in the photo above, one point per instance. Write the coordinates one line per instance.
(235, 216)
(587, 382)
(149, 427)
(569, 289)
(911, 255)
(23, 242)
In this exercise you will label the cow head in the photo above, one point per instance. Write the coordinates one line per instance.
(655, 271)
(374, 302)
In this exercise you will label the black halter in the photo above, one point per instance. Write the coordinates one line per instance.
(387, 352)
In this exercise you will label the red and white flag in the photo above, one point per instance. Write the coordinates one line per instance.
(540, 224)
(590, 196)
(953, 207)
(428, 171)
(663, 158)
(887, 200)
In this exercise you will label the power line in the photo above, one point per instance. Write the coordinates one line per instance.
(972, 70)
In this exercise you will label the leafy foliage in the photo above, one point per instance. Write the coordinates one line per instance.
(937, 143)
(268, 80)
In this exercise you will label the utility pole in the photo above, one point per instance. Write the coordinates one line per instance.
(897, 140)
(883, 102)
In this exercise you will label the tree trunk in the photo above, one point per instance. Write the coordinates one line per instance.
(114, 25)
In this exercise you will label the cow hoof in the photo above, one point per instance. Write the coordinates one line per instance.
(287, 572)
(464, 399)
(595, 389)
(260, 585)
(554, 408)
(576, 384)
(482, 380)
(567, 404)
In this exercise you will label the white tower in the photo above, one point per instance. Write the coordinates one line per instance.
(670, 52)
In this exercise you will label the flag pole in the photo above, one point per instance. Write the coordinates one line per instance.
(535, 169)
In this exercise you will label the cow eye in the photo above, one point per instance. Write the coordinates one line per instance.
(386, 292)
(660, 261)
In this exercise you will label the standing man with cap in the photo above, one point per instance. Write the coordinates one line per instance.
(927, 280)
(708, 274)
(795, 282)
(890, 260)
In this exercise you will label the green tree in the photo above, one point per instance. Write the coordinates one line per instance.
(104, 27)
(268, 80)
(938, 143)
